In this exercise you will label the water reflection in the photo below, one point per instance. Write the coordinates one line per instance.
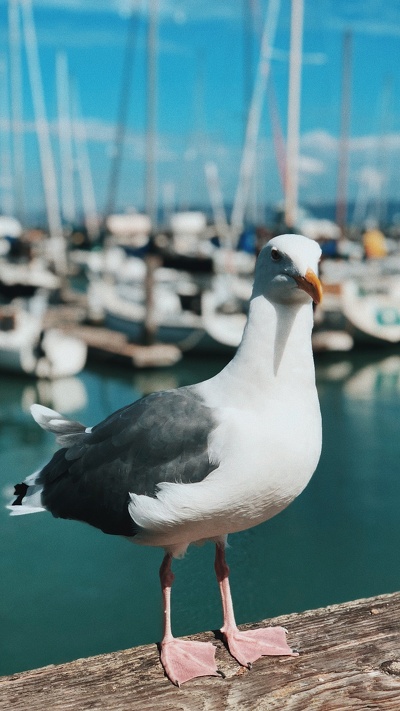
(358, 480)
(362, 375)
(65, 395)
(376, 379)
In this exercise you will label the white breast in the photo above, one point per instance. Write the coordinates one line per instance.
(266, 459)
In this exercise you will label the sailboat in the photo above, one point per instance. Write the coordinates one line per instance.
(27, 348)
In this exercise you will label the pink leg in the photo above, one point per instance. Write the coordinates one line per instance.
(182, 660)
(247, 646)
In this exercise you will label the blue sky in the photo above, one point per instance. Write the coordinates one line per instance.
(202, 89)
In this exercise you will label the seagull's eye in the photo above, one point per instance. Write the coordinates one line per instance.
(275, 254)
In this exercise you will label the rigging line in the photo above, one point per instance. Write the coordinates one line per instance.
(253, 122)
(120, 130)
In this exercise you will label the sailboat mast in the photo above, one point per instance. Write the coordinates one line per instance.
(121, 125)
(17, 108)
(45, 151)
(293, 129)
(6, 183)
(65, 139)
(91, 218)
(217, 201)
(151, 132)
(341, 201)
(253, 121)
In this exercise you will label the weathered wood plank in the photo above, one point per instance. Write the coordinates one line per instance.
(349, 659)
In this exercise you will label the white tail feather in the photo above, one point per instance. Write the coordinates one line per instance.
(32, 500)
(45, 417)
(24, 509)
(68, 432)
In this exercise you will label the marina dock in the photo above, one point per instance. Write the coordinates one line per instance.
(103, 343)
(349, 658)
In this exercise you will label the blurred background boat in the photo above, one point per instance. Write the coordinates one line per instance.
(182, 274)
(26, 347)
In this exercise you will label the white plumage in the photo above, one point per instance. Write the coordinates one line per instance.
(268, 438)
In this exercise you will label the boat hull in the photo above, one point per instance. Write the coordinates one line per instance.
(186, 337)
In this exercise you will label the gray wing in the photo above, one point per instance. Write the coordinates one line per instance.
(162, 437)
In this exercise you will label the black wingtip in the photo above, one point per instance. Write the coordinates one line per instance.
(19, 491)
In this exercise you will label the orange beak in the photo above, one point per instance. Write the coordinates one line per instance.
(311, 285)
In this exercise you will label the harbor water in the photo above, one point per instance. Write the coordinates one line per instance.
(69, 591)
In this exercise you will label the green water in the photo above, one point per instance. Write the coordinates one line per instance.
(67, 590)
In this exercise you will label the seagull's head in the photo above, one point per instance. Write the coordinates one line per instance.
(287, 270)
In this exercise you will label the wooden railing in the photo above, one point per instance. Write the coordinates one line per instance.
(349, 659)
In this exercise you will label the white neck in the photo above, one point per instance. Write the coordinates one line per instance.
(275, 351)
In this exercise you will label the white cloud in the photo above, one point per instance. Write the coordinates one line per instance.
(370, 177)
(319, 140)
(390, 141)
(311, 166)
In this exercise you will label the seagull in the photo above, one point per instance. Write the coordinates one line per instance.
(199, 462)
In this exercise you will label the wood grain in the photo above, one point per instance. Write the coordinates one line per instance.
(349, 659)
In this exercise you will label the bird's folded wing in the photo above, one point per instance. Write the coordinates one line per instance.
(163, 437)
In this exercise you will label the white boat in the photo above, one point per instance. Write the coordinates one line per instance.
(24, 279)
(123, 308)
(189, 233)
(26, 348)
(194, 316)
(372, 309)
(131, 231)
(362, 298)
